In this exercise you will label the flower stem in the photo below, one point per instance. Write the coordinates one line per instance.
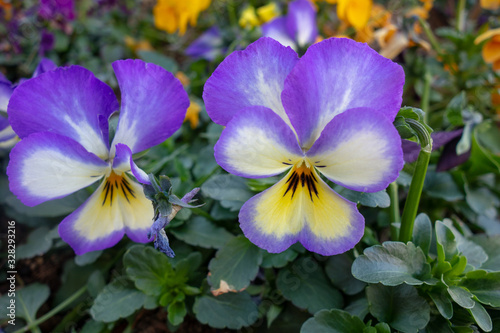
(394, 210)
(426, 95)
(34, 325)
(430, 35)
(417, 182)
(460, 16)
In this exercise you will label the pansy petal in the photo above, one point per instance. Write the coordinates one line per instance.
(118, 206)
(5, 93)
(44, 65)
(252, 77)
(301, 207)
(359, 149)
(277, 30)
(336, 75)
(301, 22)
(46, 166)
(6, 132)
(257, 143)
(154, 104)
(66, 101)
(124, 162)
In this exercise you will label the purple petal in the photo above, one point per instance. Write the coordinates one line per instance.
(252, 77)
(336, 75)
(154, 104)
(301, 22)
(208, 46)
(46, 166)
(6, 91)
(359, 149)
(124, 162)
(106, 215)
(323, 221)
(277, 30)
(257, 143)
(66, 101)
(44, 65)
(449, 158)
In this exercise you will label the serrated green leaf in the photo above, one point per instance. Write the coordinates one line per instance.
(148, 268)
(117, 300)
(481, 317)
(422, 232)
(484, 285)
(377, 199)
(392, 264)
(333, 321)
(446, 244)
(201, 232)
(461, 296)
(278, 260)
(443, 303)
(231, 310)
(338, 269)
(176, 313)
(236, 263)
(441, 185)
(29, 299)
(230, 190)
(306, 285)
(399, 306)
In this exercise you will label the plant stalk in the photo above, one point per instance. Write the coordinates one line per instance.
(394, 210)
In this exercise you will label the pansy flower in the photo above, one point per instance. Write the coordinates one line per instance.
(208, 46)
(62, 119)
(297, 29)
(7, 135)
(328, 114)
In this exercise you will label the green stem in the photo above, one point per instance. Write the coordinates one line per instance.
(430, 36)
(460, 16)
(394, 210)
(54, 311)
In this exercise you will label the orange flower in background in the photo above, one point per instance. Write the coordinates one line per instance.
(193, 114)
(137, 45)
(173, 15)
(491, 49)
(7, 8)
(355, 12)
(490, 4)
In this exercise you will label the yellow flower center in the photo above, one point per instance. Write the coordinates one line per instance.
(116, 186)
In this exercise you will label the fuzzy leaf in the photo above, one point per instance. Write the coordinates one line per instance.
(201, 232)
(333, 321)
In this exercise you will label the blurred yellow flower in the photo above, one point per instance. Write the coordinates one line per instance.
(193, 114)
(183, 78)
(355, 12)
(490, 4)
(268, 12)
(173, 15)
(491, 49)
(249, 18)
(137, 45)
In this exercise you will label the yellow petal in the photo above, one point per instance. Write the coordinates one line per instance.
(490, 4)
(268, 12)
(358, 13)
(491, 51)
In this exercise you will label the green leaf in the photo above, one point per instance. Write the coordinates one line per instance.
(272, 313)
(158, 59)
(359, 307)
(87, 258)
(29, 299)
(482, 160)
(176, 313)
(383, 328)
(484, 285)
(422, 232)
(201, 232)
(474, 253)
(236, 263)
(231, 310)
(481, 317)
(446, 244)
(117, 300)
(278, 260)
(232, 191)
(455, 107)
(377, 199)
(400, 306)
(392, 264)
(333, 321)
(306, 285)
(338, 269)
(443, 303)
(461, 296)
(148, 268)
(92, 326)
(442, 186)
(491, 245)
(39, 242)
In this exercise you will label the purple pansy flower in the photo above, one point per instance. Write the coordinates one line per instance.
(208, 46)
(328, 113)
(62, 118)
(297, 29)
(53, 9)
(7, 135)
